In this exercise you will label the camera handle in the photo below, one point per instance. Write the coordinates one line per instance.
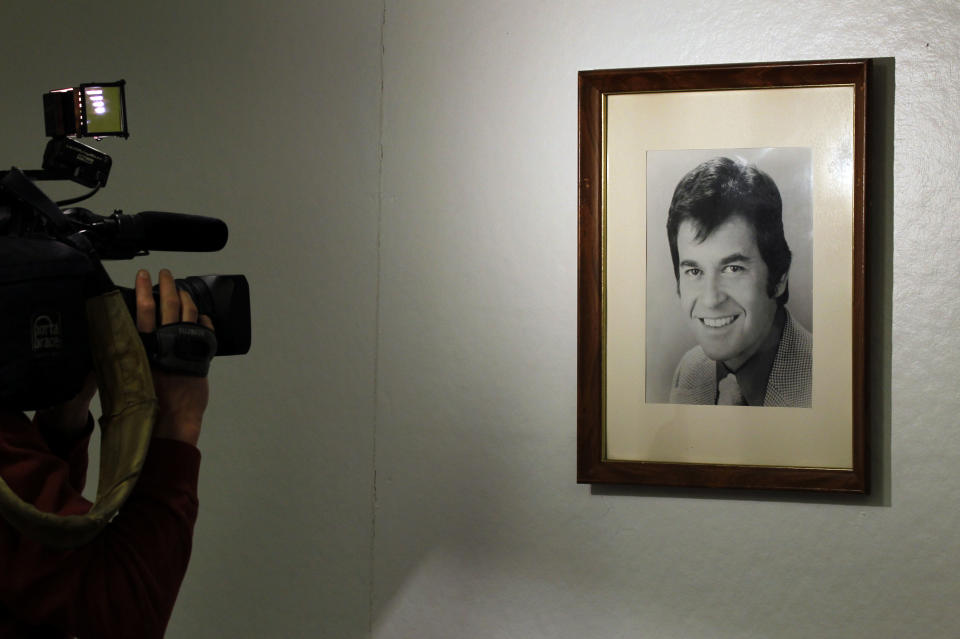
(185, 348)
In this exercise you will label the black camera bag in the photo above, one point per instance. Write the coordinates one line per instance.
(44, 351)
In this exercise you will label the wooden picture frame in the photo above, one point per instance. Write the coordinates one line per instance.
(642, 132)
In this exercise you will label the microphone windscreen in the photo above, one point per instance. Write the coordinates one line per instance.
(181, 232)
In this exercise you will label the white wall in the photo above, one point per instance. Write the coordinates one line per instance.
(416, 317)
(481, 530)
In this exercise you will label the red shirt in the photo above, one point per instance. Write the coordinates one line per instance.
(123, 583)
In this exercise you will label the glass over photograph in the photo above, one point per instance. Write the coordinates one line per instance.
(729, 277)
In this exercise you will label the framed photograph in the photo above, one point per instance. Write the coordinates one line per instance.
(721, 276)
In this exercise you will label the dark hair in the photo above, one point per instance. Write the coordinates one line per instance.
(721, 188)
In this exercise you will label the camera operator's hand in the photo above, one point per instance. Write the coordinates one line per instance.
(182, 398)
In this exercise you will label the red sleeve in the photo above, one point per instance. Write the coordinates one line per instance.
(122, 584)
(72, 450)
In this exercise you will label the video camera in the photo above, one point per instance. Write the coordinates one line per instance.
(50, 256)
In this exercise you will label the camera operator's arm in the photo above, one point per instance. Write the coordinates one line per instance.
(182, 398)
(125, 582)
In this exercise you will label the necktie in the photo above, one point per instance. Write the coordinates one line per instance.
(729, 392)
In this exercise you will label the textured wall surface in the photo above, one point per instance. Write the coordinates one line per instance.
(481, 531)
(400, 183)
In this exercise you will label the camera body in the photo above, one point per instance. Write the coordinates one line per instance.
(43, 328)
(50, 256)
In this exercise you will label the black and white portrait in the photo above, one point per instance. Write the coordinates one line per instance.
(729, 263)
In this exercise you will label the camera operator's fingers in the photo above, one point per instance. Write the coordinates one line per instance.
(169, 299)
(146, 307)
(206, 321)
(188, 310)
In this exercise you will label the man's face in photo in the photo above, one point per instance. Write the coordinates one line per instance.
(723, 290)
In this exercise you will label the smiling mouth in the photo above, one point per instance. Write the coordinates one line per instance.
(718, 322)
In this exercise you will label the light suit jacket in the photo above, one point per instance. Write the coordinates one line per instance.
(789, 384)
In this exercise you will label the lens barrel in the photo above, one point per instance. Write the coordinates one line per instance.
(224, 298)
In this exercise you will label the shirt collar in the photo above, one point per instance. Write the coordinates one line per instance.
(752, 376)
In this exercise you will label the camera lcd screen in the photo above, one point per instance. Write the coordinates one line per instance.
(103, 110)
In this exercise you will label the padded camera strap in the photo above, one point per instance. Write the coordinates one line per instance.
(129, 411)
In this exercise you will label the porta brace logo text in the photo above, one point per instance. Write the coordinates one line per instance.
(47, 333)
